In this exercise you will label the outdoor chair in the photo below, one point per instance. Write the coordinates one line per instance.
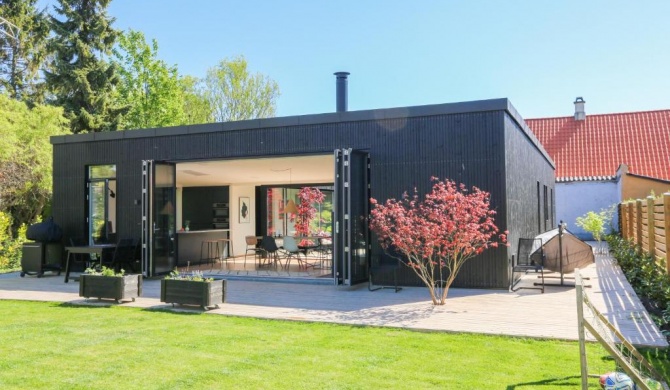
(530, 257)
(125, 255)
(325, 249)
(88, 260)
(380, 268)
(253, 247)
(292, 251)
(270, 251)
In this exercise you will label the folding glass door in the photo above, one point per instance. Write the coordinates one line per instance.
(159, 245)
(351, 238)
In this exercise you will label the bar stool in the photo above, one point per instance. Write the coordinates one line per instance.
(224, 242)
(212, 248)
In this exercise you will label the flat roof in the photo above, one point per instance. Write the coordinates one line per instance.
(501, 104)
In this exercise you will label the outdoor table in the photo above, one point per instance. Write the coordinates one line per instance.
(89, 250)
(314, 243)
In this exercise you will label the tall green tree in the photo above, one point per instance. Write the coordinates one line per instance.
(82, 82)
(235, 94)
(23, 37)
(196, 106)
(26, 157)
(150, 87)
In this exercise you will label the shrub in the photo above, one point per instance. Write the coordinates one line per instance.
(195, 276)
(436, 235)
(10, 247)
(649, 280)
(104, 271)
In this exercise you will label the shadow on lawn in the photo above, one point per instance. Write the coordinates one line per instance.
(85, 305)
(573, 382)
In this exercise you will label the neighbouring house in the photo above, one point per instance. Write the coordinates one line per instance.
(604, 159)
(236, 179)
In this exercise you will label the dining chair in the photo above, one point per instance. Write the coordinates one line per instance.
(88, 260)
(253, 246)
(270, 250)
(292, 251)
(325, 249)
(125, 254)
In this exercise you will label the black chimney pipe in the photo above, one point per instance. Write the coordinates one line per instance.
(341, 90)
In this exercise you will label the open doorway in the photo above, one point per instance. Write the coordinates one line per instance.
(219, 204)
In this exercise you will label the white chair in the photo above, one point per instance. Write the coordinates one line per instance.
(292, 251)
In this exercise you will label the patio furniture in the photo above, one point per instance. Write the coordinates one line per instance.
(292, 251)
(380, 266)
(209, 251)
(125, 254)
(253, 243)
(225, 242)
(87, 259)
(89, 250)
(307, 244)
(270, 251)
(325, 250)
(530, 257)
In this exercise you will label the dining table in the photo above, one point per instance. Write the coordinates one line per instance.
(85, 250)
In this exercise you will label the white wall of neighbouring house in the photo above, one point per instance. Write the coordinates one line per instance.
(239, 230)
(574, 199)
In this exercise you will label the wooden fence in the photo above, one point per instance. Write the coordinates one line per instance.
(646, 222)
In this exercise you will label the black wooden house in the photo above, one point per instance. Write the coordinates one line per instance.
(153, 183)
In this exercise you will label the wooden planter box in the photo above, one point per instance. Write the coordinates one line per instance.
(187, 292)
(110, 287)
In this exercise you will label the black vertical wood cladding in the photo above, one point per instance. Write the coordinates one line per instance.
(468, 148)
(524, 169)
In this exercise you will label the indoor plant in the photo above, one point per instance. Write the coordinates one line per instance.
(192, 289)
(108, 284)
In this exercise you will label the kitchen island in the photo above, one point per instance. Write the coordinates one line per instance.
(190, 245)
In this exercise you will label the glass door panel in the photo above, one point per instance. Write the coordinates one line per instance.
(359, 195)
(102, 211)
(351, 234)
(159, 245)
(164, 251)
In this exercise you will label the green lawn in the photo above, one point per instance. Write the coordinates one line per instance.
(51, 345)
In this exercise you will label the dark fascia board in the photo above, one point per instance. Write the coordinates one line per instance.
(514, 114)
(656, 179)
(502, 104)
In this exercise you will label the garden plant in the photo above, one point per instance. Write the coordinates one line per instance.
(436, 235)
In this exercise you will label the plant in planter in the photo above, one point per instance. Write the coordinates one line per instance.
(192, 289)
(108, 284)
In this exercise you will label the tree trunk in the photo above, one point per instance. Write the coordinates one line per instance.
(443, 298)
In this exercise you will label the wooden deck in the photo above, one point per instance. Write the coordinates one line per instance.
(526, 313)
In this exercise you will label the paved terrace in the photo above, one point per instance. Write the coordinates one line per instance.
(526, 313)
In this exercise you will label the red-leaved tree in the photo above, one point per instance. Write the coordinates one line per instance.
(307, 196)
(437, 235)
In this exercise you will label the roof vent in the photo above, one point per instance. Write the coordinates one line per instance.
(580, 114)
(341, 91)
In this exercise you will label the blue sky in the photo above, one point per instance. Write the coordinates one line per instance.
(539, 54)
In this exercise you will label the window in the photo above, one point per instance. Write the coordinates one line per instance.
(552, 207)
(280, 218)
(546, 207)
(101, 197)
(539, 211)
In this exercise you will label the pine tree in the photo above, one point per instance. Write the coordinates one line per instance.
(23, 36)
(82, 82)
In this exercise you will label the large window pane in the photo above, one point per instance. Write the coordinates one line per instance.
(102, 172)
(102, 204)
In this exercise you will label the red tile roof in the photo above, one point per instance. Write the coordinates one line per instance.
(595, 147)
